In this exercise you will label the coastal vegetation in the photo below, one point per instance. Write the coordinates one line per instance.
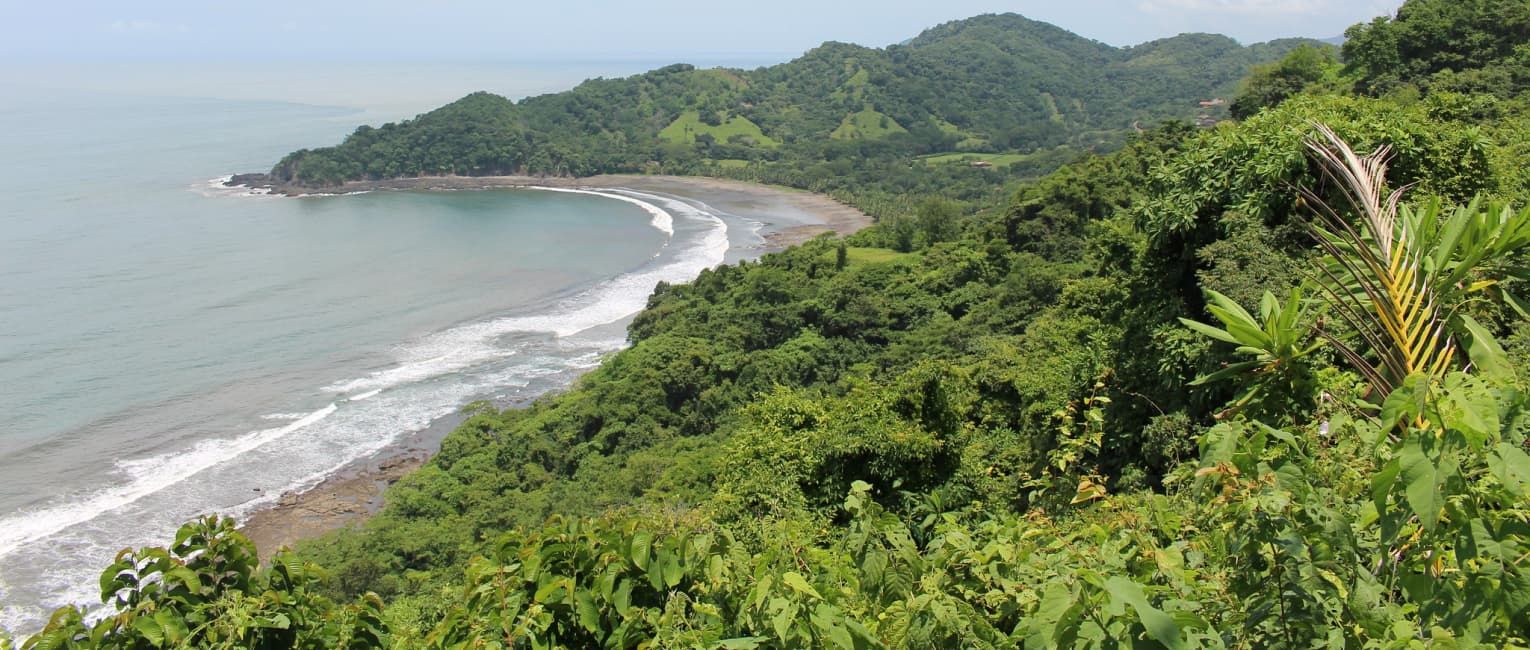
(1261, 385)
(997, 83)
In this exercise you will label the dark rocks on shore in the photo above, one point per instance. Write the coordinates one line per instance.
(250, 180)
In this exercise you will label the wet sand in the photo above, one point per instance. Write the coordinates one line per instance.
(348, 497)
(345, 498)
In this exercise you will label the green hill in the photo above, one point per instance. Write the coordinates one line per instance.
(689, 127)
(995, 82)
(867, 123)
(1213, 389)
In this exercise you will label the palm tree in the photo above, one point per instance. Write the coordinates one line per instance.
(1406, 278)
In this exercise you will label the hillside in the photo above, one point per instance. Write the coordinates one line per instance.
(995, 83)
(1260, 386)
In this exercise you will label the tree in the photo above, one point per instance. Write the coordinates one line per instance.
(1428, 37)
(938, 220)
(1269, 85)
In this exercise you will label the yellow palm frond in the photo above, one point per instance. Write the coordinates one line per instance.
(1376, 276)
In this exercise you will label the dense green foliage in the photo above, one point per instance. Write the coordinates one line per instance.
(1269, 85)
(1213, 389)
(1462, 45)
(998, 83)
(207, 591)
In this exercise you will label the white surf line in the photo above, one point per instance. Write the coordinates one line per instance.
(621, 296)
(612, 300)
(661, 219)
(149, 475)
(219, 187)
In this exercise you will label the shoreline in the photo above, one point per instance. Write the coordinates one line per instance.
(345, 498)
(354, 493)
(833, 216)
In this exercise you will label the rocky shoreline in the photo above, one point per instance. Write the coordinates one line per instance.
(353, 494)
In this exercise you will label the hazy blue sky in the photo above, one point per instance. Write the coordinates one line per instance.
(703, 31)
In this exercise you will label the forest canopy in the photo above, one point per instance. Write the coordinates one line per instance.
(992, 84)
(1259, 385)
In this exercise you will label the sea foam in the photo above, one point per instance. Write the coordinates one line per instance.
(220, 187)
(433, 356)
(609, 302)
(662, 221)
(143, 477)
(367, 416)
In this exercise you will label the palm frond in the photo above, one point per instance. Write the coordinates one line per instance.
(1377, 274)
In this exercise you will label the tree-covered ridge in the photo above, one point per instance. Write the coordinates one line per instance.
(1214, 389)
(997, 83)
(1469, 45)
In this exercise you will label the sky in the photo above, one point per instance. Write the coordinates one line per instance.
(396, 58)
(698, 31)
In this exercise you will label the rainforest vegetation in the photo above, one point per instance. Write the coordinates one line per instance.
(996, 84)
(1258, 385)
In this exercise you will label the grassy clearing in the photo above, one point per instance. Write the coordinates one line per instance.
(949, 128)
(998, 159)
(1053, 114)
(730, 163)
(859, 255)
(686, 128)
(868, 124)
(728, 77)
(856, 255)
(968, 142)
(974, 144)
(854, 88)
(859, 80)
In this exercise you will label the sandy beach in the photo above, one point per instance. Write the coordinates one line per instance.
(348, 497)
(792, 216)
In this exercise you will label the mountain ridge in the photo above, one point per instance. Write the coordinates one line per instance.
(995, 83)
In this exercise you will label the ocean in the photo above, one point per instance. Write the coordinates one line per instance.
(170, 347)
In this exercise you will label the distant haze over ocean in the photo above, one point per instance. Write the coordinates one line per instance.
(387, 91)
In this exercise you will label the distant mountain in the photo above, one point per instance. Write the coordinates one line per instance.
(991, 83)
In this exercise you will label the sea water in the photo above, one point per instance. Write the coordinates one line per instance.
(170, 347)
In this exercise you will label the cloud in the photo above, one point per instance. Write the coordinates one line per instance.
(1240, 6)
(140, 26)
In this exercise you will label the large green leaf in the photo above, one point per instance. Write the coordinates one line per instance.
(1421, 481)
(589, 616)
(1468, 406)
(173, 626)
(800, 584)
(1209, 331)
(1512, 467)
(1159, 626)
(872, 569)
(829, 621)
(1488, 358)
(785, 615)
(670, 566)
(623, 596)
(1405, 403)
(150, 630)
(641, 543)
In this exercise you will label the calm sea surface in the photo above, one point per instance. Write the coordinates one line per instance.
(168, 348)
